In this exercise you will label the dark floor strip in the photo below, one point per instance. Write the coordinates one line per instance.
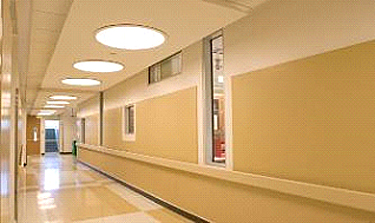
(171, 207)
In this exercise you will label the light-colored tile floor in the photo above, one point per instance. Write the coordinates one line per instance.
(54, 189)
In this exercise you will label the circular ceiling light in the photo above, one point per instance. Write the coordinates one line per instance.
(100, 66)
(130, 37)
(54, 106)
(57, 103)
(81, 82)
(46, 112)
(63, 97)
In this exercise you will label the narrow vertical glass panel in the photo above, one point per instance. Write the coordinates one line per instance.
(154, 74)
(218, 100)
(35, 134)
(130, 120)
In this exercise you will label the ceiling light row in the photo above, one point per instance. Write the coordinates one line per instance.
(124, 37)
(58, 103)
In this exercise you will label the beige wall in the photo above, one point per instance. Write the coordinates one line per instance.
(310, 120)
(166, 126)
(137, 88)
(92, 129)
(280, 31)
(221, 201)
(68, 131)
(89, 107)
(89, 110)
(301, 120)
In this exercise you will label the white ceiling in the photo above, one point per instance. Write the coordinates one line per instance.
(47, 21)
(184, 21)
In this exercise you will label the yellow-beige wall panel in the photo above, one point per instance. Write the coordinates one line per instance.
(92, 129)
(217, 200)
(309, 120)
(112, 135)
(166, 126)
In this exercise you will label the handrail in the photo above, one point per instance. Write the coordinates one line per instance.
(344, 197)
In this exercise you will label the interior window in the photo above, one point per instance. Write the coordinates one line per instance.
(218, 100)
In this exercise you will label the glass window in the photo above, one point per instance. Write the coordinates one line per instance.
(129, 119)
(129, 126)
(217, 100)
(166, 68)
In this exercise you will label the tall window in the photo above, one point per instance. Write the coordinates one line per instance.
(217, 99)
(129, 123)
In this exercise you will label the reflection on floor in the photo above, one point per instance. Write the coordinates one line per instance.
(56, 189)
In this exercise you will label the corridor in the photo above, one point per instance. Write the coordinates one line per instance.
(55, 188)
(225, 111)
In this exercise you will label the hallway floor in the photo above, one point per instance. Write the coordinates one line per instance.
(56, 189)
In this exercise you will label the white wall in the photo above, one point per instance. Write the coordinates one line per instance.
(280, 31)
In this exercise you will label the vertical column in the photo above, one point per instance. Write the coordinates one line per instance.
(101, 117)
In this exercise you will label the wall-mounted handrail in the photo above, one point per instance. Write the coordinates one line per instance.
(344, 197)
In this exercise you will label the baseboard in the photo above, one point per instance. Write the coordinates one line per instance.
(65, 153)
(157, 200)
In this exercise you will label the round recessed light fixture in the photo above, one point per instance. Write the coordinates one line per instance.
(63, 97)
(54, 106)
(130, 37)
(100, 66)
(81, 82)
(46, 112)
(57, 103)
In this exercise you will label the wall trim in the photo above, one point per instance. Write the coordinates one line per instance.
(338, 196)
(148, 195)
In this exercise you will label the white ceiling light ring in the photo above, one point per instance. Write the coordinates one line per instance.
(57, 103)
(81, 82)
(46, 112)
(62, 97)
(133, 37)
(54, 106)
(98, 66)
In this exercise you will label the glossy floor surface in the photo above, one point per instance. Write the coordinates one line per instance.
(54, 188)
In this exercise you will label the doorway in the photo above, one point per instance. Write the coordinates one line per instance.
(52, 133)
